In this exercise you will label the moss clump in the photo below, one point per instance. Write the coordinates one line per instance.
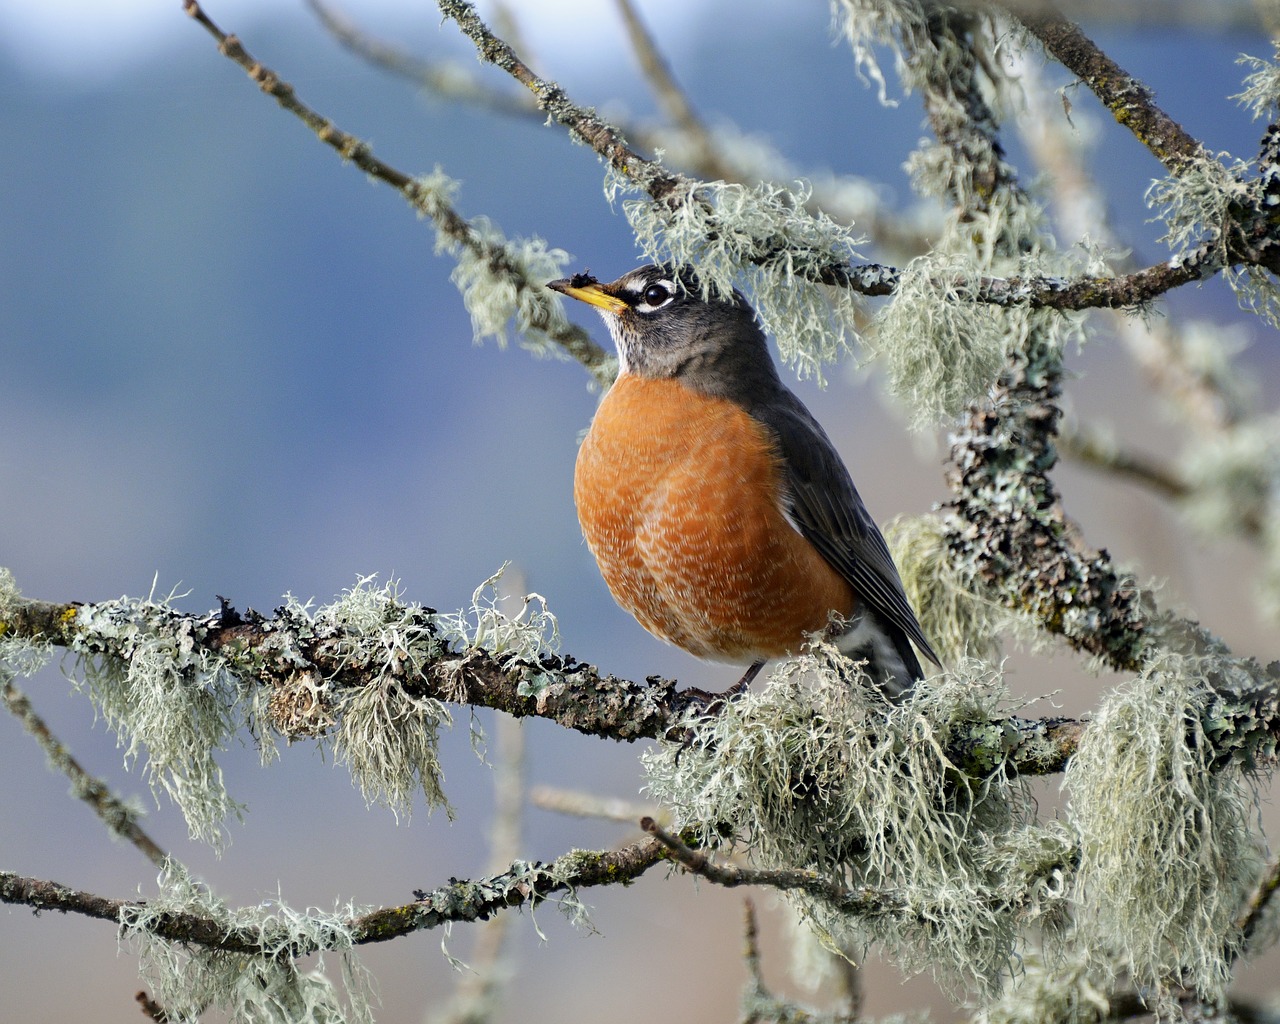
(820, 771)
(1167, 854)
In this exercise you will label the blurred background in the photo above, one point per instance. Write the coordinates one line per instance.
(228, 365)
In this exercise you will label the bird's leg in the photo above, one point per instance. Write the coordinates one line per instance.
(713, 702)
(743, 684)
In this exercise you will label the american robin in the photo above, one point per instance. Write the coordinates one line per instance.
(718, 510)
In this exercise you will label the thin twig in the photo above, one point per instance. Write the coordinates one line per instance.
(573, 340)
(446, 81)
(582, 123)
(588, 805)
(475, 996)
(670, 96)
(460, 900)
(1131, 103)
(1258, 902)
(864, 901)
(120, 819)
(1097, 452)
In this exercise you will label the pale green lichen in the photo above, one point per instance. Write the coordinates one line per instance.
(386, 735)
(498, 291)
(522, 637)
(169, 701)
(819, 771)
(765, 234)
(1201, 204)
(188, 979)
(957, 622)
(1261, 93)
(872, 25)
(941, 350)
(20, 656)
(1167, 850)
(1195, 204)
(1062, 989)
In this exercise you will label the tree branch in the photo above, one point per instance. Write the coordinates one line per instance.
(574, 341)
(459, 901)
(863, 901)
(276, 652)
(867, 279)
(670, 96)
(120, 819)
(1131, 103)
(447, 82)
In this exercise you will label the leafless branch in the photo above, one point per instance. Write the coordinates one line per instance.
(589, 805)
(1251, 916)
(478, 990)
(1098, 452)
(670, 96)
(120, 819)
(444, 80)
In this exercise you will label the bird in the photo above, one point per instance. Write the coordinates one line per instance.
(719, 512)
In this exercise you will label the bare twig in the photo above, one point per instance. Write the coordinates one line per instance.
(759, 1004)
(476, 995)
(670, 96)
(120, 819)
(1251, 915)
(582, 123)
(1098, 452)
(445, 80)
(588, 805)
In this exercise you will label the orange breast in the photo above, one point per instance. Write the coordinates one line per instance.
(677, 494)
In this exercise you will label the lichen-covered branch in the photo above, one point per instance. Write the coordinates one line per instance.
(863, 901)
(524, 884)
(42, 895)
(512, 275)
(1130, 102)
(666, 188)
(458, 901)
(309, 665)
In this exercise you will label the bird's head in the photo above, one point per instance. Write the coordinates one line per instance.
(663, 327)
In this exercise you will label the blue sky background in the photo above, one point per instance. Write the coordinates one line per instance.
(232, 365)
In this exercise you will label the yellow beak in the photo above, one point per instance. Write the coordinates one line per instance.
(591, 293)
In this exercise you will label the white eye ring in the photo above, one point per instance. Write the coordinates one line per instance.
(656, 294)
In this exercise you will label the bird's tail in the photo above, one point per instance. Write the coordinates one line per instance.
(891, 660)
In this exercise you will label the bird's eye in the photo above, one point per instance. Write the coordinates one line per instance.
(656, 295)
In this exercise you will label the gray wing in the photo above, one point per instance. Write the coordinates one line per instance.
(826, 507)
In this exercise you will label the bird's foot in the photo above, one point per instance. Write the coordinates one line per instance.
(714, 703)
